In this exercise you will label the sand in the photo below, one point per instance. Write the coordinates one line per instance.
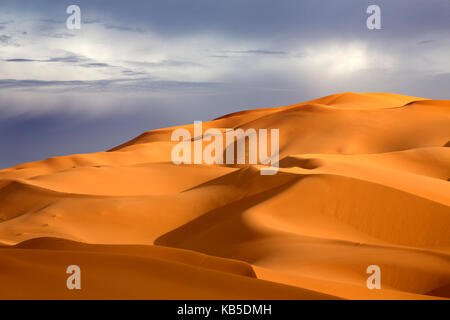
(363, 180)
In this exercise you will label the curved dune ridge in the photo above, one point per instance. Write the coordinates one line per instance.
(363, 180)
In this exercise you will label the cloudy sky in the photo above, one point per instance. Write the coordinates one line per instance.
(140, 65)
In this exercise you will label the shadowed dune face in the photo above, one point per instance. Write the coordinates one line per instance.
(363, 180)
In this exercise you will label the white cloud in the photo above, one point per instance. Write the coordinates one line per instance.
(103, 58)
(345, 58)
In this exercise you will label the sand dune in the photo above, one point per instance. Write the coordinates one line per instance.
(363, 180)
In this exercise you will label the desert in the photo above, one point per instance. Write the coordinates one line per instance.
(363, 179)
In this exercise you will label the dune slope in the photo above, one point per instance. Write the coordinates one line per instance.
(364, 179)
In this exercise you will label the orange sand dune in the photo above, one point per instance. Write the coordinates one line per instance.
(363, 180)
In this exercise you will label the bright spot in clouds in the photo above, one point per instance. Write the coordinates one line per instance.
(346, 58)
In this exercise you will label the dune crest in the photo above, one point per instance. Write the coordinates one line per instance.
(363, 180)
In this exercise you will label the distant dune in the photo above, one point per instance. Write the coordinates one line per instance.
(363, 180)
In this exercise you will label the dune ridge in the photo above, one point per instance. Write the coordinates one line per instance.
(364, 179)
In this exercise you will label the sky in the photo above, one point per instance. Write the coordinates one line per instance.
(135, 66)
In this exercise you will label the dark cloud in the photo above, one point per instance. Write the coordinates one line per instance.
(123, 84)
(96, 65)
(60, 35)
(164, 63)
(8, 40)
(423, 42)
(53, 21)
(284, 21)
(75, 60)
(256, 52)
(67, 59)
(44, 136)
(112, 26)
(445, 78)
(20, 60)
(133, 73)
(123, 28)
(14, 83)
(91, 21)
